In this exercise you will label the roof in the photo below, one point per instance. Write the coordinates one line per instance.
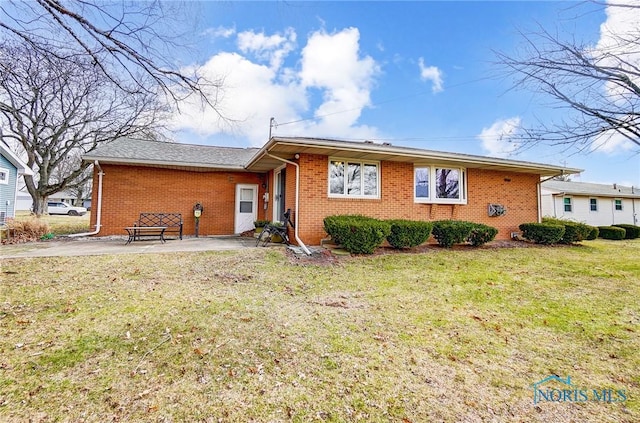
(286, 148)
(171, 155)
(589, 189)
(204, 157)
(22, 167)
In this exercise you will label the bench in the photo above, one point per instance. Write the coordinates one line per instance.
(136, 233)
(172, 222)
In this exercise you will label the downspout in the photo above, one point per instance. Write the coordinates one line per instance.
(99, 205)
(295, 230)
(539, 189)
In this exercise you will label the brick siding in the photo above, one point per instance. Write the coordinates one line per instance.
(129, 190)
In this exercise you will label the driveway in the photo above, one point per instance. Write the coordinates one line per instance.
(89, 246)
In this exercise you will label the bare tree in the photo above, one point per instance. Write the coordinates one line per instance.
(133, 39)
(57, 108)
(599, 86)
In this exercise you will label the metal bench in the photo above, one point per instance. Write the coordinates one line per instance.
(136, 233)
(172, 222)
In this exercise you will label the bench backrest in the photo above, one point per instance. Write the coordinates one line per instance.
(160, 219)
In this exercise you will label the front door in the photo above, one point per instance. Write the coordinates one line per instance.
(246, 207)
(279, 186)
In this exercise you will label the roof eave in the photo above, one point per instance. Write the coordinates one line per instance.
(416, 154)
(162, 163)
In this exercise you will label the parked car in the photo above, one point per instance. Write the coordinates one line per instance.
(56, 207)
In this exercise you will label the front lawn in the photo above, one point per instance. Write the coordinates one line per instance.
(448, 335)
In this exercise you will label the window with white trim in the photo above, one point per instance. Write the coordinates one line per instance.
(618, 204)
(4, 176)
(593, 204)
(354, 178)
(439, 184)
(568, 205)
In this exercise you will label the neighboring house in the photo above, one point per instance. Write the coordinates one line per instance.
(594, 204)
(313, 177)
(24, 200)
(11, 167)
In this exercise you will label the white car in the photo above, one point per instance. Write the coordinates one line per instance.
(55, 207)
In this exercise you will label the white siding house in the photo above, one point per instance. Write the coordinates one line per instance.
(11, 167)
(593, 204)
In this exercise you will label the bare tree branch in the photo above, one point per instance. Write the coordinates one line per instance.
(56, 109)
(598, 85)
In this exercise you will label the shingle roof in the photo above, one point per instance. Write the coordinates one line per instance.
(159, 153)
(586, 188)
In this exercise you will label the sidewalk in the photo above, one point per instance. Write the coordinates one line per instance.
(89, 246)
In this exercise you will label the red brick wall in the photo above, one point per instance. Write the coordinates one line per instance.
(129, 190)
(516, 191)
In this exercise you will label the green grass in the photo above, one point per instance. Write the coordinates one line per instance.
(448, 335)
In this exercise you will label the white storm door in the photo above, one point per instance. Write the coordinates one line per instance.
(246, 207)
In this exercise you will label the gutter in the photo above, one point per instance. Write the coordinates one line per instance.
(295, 229)
(99, 213)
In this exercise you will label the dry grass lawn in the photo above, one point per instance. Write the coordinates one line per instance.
(449, 335)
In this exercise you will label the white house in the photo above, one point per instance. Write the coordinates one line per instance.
(593, 204)
(24, 201)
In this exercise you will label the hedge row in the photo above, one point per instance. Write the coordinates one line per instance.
(362, 235)
(573, 231)
(631, 231)
(612, 232)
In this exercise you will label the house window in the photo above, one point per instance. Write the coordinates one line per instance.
(434, 184)
(351, 178)
(568, 206)
(618, 204)
(4, 176)
(593, 204)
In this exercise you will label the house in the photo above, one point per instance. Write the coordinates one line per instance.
(24, 201)
(313, 177)
(11, 167)
(593, 204)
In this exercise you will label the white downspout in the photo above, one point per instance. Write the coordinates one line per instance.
(99, 205)
(295, 230)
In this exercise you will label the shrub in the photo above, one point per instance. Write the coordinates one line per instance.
(612, 232)
(481, 234)
(632, 231)
(449, 232)
(408, 233)
(542, 233)
(573, 231)
(261, 223)
(593, 233)
(357, 234)
(32, 229)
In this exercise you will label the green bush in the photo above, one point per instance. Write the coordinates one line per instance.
(612, 232)
(632, 231)
(573, 231)
(593, 233)
(357, 234)
(449, 232)
(481, 234)
(542, 233)
(408, 233)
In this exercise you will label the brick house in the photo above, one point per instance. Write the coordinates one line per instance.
(313, 177)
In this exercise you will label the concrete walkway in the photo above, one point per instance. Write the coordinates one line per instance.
(89, 246)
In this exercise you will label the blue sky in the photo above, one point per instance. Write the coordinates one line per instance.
(418, 74)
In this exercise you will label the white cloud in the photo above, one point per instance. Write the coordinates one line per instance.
(272, 48)
(496, 139)
(612, 142)
(433, 74)
(332, 64)
(254, 91)
(220, 32)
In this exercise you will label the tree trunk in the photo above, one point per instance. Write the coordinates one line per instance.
(39, 205)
